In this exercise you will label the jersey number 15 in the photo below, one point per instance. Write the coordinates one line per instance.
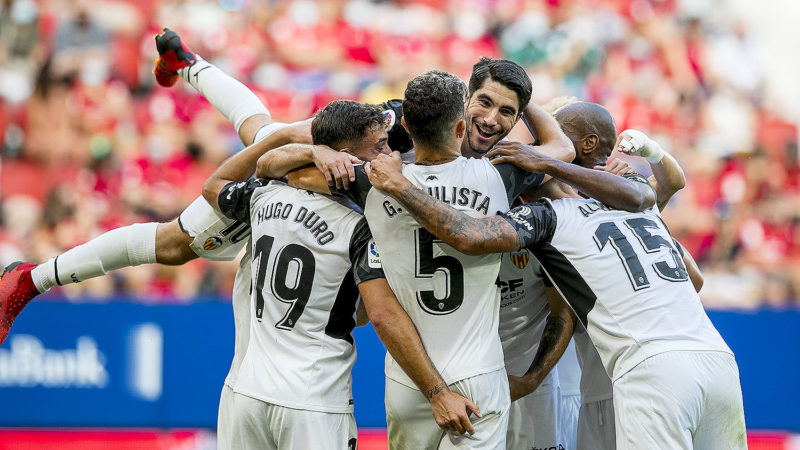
(651, 243)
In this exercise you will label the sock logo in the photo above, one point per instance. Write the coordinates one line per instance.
(197, 74)
(74, 278)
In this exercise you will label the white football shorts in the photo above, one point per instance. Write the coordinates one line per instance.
(533, 419)
(596, 426)
(681, 400)
(411, 425)
(264, 425)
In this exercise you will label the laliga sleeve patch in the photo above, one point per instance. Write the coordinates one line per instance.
(388, 119)
(373, 257)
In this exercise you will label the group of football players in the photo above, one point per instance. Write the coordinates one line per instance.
(529, 296)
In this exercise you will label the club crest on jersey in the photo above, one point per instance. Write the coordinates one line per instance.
(520, 259)
(212, 243)
(374, 257)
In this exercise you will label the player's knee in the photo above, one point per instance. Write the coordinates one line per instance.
(173, 245)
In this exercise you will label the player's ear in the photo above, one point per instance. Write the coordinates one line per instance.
(461, 127)
(403, 122)
(589, 143)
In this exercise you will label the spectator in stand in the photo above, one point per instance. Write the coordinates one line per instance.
(107, 147)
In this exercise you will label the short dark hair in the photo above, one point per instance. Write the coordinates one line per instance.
(508, 73)
(342, 122)
(433, 103)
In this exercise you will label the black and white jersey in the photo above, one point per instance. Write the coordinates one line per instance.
(622, 275)
(523, 309)
(451, 297)
(309, 253)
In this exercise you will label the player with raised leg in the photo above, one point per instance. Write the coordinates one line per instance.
(199, 231)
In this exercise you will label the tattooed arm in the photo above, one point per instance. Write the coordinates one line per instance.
(397, 332)
(555, 339)
(469, 235)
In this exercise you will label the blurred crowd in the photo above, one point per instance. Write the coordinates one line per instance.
(89, 142)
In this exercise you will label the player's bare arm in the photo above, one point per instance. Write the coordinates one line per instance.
(617, 192)
(552, 141)
(308, 178)
(397, 332)
(691, 267)
(468, 235)
(242, 165)
(668, 177)
(336, 166)
(555, 339)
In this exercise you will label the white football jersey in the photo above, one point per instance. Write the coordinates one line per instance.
(622, 275)
(595, 384)
(241, 313)
(451, 297)
(523, 310)
(309, 252)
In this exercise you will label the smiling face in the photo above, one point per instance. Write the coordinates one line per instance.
(492, 111)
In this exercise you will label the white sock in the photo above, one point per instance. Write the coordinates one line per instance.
(230, 97)
(123, 247)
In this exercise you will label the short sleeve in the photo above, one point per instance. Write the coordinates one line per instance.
(517, 180)
(234, 198)
(535, 223)
(358, 190)
(364, 256)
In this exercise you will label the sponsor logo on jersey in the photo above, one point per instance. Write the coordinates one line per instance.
(431, 178)
(520, 259)
(511, 291)
(212, 243)
(519, 215)
(374, 257)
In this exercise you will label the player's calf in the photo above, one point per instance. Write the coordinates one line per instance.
(173, 245)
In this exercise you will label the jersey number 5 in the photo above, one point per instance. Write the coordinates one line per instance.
(651, 243)
(303, 278)
(428, 265)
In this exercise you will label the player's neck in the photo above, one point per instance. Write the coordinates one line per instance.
(431, 156)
